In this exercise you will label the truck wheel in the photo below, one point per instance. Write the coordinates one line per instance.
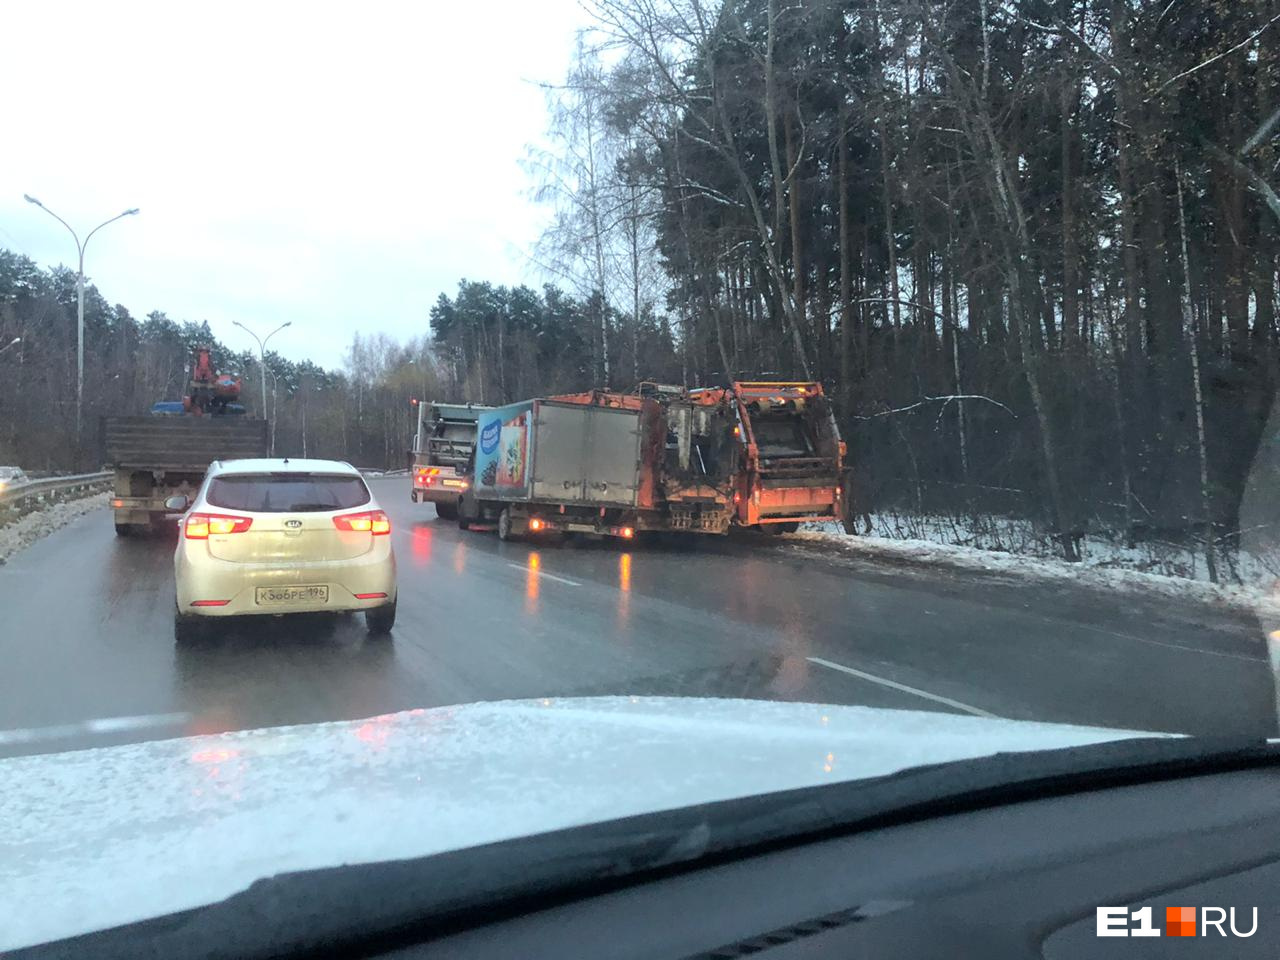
(791, 527)
(413, 495)
(447, 511)
(504, 525)
(124, 529)
(379, 620)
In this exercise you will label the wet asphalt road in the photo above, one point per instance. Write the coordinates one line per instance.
(86, 639)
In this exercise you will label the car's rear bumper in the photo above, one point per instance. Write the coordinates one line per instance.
(206, 579)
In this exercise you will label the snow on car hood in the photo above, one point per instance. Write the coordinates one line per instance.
(97, 838)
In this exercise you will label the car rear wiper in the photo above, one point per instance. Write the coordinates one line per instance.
(343, 908)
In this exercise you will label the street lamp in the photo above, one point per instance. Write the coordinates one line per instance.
(80, 247)
(262, 354)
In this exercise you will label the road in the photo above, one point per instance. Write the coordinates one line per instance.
(89, 659)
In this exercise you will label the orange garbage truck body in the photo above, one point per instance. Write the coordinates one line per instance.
(792, 457)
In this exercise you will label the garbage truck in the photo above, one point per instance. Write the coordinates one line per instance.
(441, 452)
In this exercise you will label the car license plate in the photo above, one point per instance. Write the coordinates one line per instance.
(284, 596)
(453, 483)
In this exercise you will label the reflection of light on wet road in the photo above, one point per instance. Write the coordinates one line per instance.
(531, 583)
(793, 673)
(460, 558)
(624, 589)
(422, 543)
(830, 764)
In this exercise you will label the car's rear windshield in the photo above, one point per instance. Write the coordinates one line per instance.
(287, 492)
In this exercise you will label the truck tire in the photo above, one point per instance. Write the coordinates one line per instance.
(379, 620)
(504, 525)
(124, 529)
(446, 510)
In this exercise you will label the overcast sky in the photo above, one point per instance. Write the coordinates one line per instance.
(335, 165)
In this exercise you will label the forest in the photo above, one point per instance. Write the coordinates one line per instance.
(1029, 248)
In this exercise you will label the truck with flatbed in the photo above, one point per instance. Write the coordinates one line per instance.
(442, 448)
(166, 452)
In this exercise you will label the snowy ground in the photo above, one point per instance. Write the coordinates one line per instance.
(30, 528)
(1013, 548)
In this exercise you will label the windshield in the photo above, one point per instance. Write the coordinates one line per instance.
(286, 492)
(511, 417)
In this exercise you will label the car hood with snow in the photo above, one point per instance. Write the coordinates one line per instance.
(99, 838)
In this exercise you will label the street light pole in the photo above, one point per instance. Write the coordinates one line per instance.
(80, 248)
(262, 362)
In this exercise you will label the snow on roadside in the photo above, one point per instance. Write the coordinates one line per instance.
(28, 529)
(1261, 596)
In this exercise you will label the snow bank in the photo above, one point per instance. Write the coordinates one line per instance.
(30, 528)
(1104, 566)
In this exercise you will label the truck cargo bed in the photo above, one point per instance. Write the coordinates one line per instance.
(180, 443)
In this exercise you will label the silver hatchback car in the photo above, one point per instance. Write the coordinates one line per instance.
(269, 537)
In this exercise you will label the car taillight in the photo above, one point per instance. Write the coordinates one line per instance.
(371, 521)
(200, 525)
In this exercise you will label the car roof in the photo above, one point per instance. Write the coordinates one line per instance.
(280, 465)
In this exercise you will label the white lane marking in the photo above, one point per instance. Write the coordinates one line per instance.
(549, 576)
(893, 684)
(100, 725)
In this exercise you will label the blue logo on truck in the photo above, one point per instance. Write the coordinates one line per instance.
(489, 436)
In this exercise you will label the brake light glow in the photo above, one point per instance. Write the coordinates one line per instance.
(627, 533)
(370, 521)
(535, 524)
(200, 525)
(117, 503)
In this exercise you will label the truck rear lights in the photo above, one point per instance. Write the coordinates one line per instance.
(117, 504)
(627, 533)
(370, 521)
(535, 524)
(200, 525)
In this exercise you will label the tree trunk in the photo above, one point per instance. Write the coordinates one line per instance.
(1210, 554)
(846, 268)
(794, 199)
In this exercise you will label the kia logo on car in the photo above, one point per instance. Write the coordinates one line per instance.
(489, 436)
(293, 523)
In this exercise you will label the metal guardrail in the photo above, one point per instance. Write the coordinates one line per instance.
(43, 489)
